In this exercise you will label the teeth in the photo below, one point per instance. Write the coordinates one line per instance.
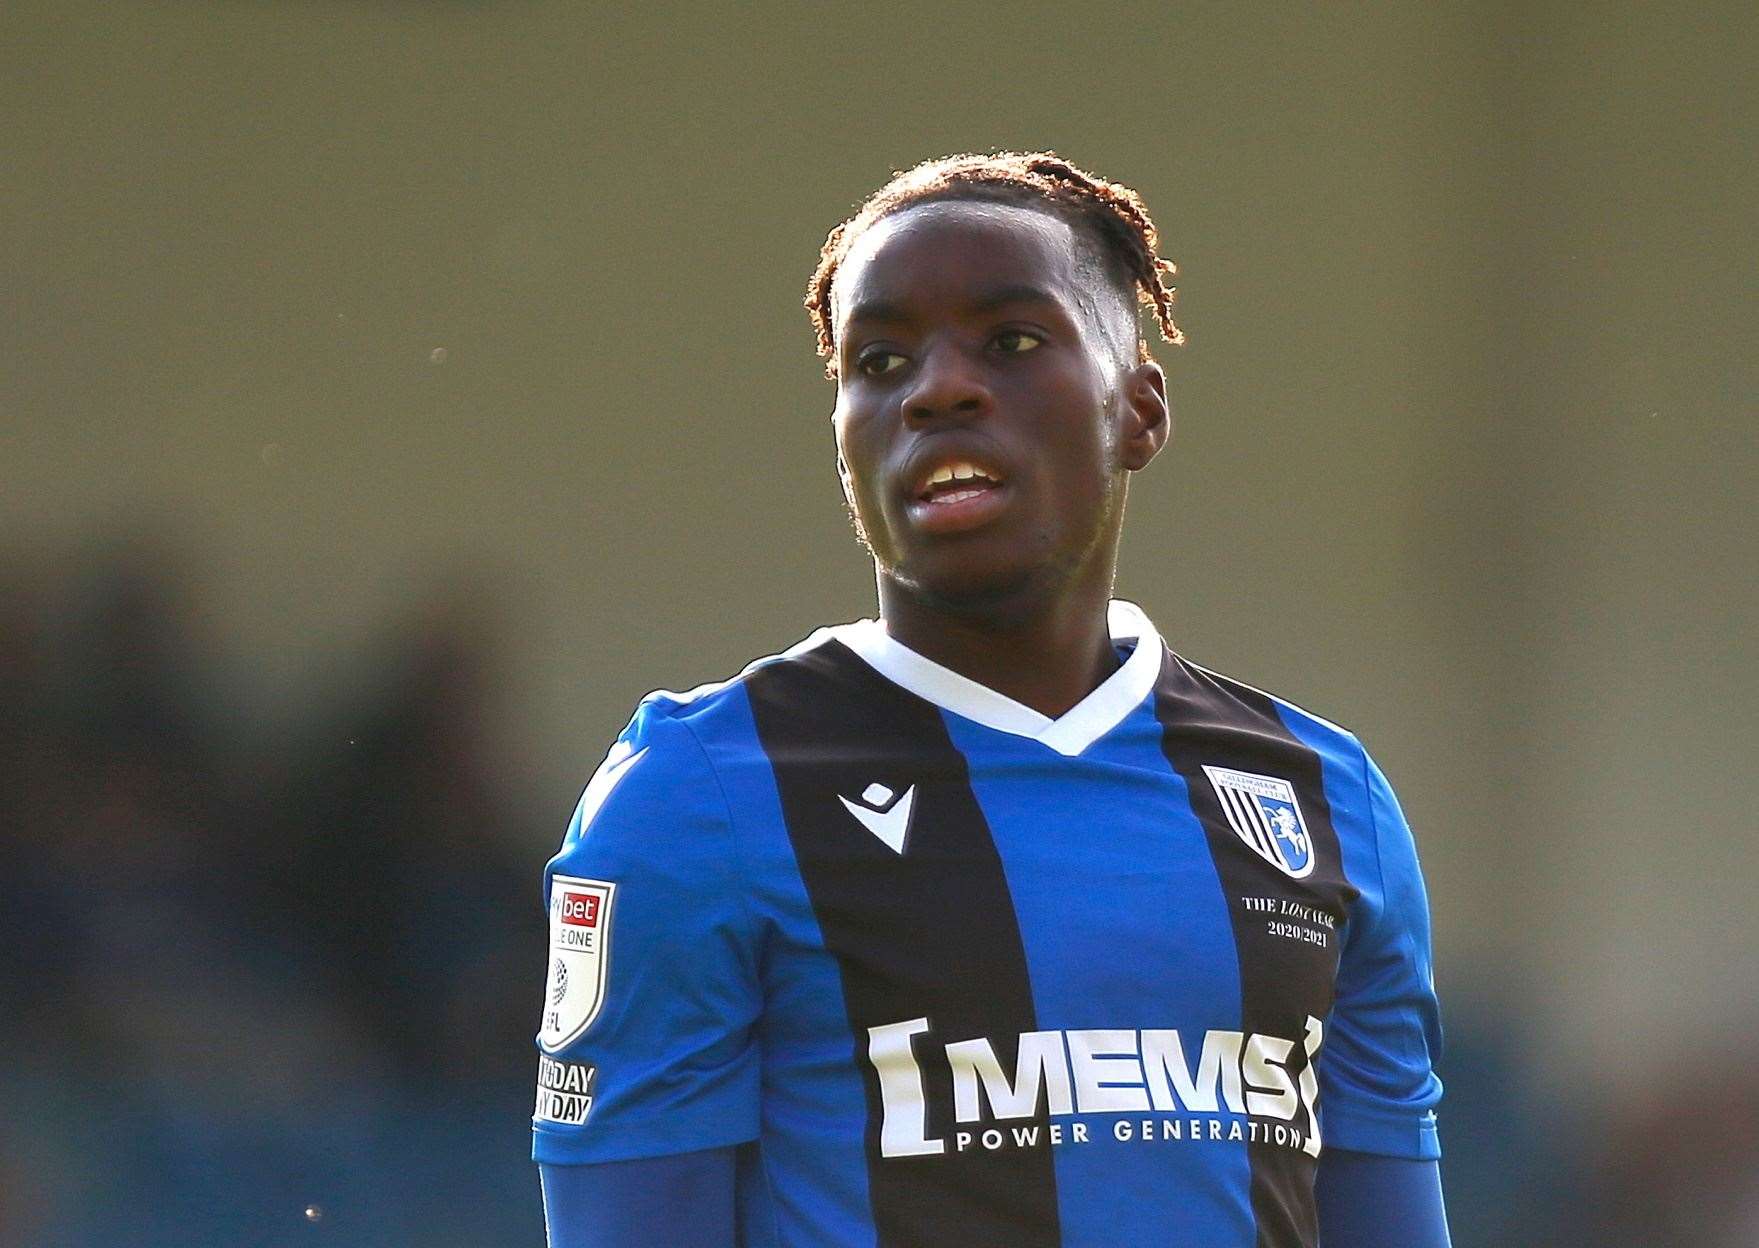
(960, 471)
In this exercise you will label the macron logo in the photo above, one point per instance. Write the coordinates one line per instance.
(882, 815)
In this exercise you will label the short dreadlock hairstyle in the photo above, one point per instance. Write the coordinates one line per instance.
(1108, 217)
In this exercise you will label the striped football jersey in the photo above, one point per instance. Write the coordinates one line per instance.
(953, 972)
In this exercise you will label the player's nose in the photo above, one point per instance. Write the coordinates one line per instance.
(948, 384)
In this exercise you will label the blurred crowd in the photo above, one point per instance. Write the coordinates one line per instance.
(273, 985)
(260, 986)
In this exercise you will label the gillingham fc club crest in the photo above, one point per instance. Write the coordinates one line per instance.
(1266, 814)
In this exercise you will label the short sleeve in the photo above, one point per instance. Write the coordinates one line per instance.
(646, 1045)
(1378, 1087)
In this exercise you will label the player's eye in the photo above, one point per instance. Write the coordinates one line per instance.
(876, 362)
(1017, 341)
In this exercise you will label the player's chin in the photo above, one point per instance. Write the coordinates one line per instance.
(973, 582)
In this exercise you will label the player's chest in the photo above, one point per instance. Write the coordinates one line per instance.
(1079, 895)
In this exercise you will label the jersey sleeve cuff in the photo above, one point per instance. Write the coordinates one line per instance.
(1386, 1133)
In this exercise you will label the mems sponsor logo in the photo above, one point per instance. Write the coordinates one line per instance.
(564, 1091)
(1242, 1087)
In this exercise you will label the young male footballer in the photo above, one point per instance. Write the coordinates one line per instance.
(992, 920)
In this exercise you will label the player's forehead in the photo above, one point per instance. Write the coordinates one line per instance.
(944, 254)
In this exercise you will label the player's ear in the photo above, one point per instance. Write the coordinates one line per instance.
(1146, 420)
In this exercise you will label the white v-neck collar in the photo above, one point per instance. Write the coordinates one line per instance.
(1068, 734)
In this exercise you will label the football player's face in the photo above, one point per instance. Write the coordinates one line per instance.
(984, 423)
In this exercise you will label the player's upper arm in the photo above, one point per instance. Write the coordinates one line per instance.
(646, 1044)
(1378, 1087)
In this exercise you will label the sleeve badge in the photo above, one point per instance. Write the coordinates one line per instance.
(580, 955)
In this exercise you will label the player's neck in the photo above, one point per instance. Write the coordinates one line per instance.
(1047, 656)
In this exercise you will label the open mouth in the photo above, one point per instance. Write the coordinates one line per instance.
(956, 483)
(957, 495)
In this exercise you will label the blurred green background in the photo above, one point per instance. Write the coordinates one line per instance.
(392, 393)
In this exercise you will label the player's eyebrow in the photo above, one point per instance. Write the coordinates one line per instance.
(983, 301)
(875, 310)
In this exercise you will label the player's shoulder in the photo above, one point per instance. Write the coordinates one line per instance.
(712, 714)
(1312, 729)
(677, 761)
